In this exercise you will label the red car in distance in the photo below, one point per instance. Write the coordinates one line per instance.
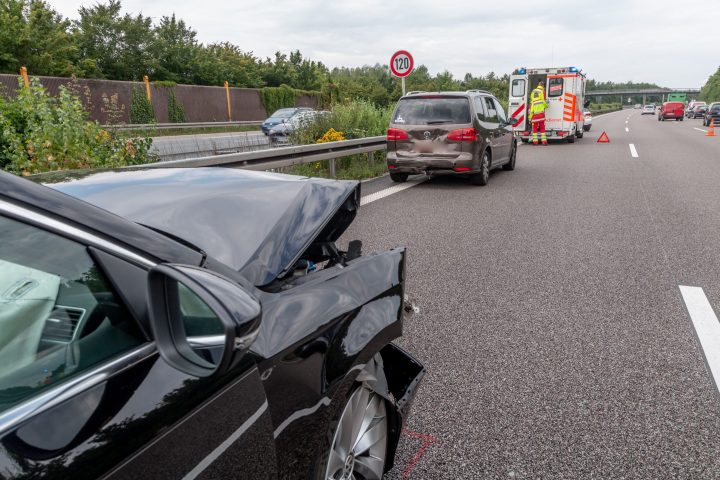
(674, 110)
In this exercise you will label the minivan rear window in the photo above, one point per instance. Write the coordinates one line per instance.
(432, 111)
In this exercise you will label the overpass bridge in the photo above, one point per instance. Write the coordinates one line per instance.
(658, 94)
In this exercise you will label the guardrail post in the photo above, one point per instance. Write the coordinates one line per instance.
(332, 168)
(371, 159)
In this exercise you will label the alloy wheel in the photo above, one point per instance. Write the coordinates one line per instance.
(359, 446)
(485, 167)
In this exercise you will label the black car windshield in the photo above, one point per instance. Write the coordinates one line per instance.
(283, 113)
(432, 111)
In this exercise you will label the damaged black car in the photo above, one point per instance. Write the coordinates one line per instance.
(196, 323)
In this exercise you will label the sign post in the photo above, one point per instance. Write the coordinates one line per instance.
(401, 64)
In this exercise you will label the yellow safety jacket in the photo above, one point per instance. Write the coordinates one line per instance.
(538, 105)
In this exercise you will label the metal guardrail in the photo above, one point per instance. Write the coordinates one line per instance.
(170, 126)
(283, 156)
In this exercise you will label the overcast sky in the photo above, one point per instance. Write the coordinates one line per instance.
(661, 41)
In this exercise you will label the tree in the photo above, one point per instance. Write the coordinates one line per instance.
(111, 45)
(219, 62)
(710, 92)
(174, 50)
(34, 35)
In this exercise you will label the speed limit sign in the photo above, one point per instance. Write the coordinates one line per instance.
(401, 63)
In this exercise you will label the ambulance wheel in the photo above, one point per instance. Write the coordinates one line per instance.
(571, 139)
(580, 133)
(525, 140)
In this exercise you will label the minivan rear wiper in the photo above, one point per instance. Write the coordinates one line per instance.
(437, 122)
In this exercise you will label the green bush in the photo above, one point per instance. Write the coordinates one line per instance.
(141, 109)
(355, 119)
(176, 112)
(40, 133)
(275, 98)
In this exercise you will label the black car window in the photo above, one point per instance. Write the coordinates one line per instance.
(715, 108)
(480, 109)
(555, 87)
(59, 316)
(500, 111)
(491, 109)
(432, 111)
(518, 87)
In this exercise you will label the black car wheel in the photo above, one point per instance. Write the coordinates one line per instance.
(399, 177)
(481, 178)
(510, 165)
(356, 446)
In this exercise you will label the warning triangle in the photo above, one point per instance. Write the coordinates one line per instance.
(603, 138)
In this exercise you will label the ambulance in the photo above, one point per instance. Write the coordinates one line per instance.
(565, 91)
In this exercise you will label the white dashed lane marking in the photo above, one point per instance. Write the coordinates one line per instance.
(391, 190)
(633, 152)
(706, 326)
(700, 130)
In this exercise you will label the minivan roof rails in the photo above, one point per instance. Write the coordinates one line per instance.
(414, 92)
(475, 90)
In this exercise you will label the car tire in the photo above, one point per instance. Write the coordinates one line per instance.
(681, 119)
(571, 138)
(510, 165)
(481, 178)
(525, 140)
(580, 133)
(399, 177)
(369, 410)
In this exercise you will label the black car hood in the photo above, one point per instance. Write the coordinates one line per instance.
(255, 222)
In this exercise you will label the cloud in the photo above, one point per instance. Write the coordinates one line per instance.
(615, 40)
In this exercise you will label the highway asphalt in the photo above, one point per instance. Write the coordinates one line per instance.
(556, 338)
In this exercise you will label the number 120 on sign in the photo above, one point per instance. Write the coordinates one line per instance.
(401, 63)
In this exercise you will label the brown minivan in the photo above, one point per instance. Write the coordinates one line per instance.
(465, 133)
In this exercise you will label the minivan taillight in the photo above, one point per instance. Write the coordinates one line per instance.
(463, 135)
(395, 134)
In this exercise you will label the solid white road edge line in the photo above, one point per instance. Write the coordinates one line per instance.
(700, 130)
(706, 326)
(390, 190)
(633, 152)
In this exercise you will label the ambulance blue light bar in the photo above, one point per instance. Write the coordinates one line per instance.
(573, 69)
(521, 71)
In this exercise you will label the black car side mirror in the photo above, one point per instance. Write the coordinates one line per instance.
(203, 323)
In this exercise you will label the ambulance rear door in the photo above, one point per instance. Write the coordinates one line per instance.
(518, 102)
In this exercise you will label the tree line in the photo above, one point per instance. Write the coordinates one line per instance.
(103, 42)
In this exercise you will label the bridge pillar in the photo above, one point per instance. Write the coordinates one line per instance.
(644, 99)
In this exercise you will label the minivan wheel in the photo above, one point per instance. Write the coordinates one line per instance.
(481, 178)
(510, 165)
(399, 177)
(357, 449)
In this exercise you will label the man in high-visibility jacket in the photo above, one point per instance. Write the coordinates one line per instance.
(538, 105)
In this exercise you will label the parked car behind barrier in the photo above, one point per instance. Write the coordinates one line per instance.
(281, 116)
